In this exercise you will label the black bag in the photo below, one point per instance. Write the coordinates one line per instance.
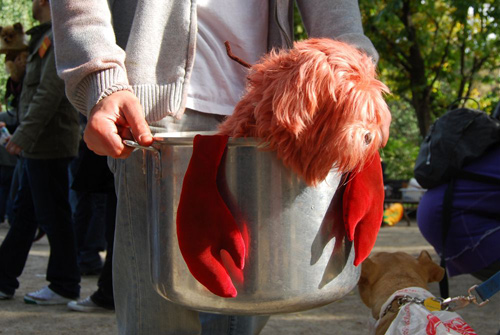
(457, 137)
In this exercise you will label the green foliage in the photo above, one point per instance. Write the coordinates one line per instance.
(459, 49)
(458, 41)
(432, 53)
(299, 31)
(12, 11)
(402, 148)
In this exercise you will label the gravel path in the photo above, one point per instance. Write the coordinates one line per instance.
(347, 316)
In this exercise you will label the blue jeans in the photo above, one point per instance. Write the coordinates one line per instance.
(6, 173)
(140, 310)
(42, 194)
(90, 227)
(104, 294)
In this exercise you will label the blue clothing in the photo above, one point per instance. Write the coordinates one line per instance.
(94, 219)
(6, 174)
(90, 227)
(474, 234)
(42, 194)
(104, 296)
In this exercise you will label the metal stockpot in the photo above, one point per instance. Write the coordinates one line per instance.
(297, 259)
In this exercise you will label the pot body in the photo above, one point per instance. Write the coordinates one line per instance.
(298, 256)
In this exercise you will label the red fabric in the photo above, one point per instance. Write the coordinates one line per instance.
(363, 207)
(205, 226)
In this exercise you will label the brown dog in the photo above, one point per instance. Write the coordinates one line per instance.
(384, 273)
(12, 38)
(12, 44)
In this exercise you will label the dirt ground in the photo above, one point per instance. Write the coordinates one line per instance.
(347, 316)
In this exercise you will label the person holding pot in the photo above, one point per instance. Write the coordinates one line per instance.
(137, 68)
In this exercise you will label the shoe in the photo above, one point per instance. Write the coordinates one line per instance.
(5, 296)
(87, 305)
(45, 296)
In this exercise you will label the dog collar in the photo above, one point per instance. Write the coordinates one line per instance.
(409, 295)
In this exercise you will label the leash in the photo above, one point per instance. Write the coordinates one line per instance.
(483, 292)
(417, 308)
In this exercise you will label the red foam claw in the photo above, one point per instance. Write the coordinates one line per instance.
(363, 207)
(205, 226)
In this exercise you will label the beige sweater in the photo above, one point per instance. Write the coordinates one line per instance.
(148, 46)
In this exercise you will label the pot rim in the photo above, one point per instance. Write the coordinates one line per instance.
(186, 138)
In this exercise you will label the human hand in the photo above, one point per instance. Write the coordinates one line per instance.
(116, 117)
(13, 148)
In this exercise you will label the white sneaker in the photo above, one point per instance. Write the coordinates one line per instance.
(86, 305)
(45, 296)
(5, 296)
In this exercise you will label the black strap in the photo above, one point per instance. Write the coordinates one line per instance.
(447, 207)
(463, 174)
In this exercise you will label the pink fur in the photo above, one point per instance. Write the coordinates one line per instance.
(318, 106)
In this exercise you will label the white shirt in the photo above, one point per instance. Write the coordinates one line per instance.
(217, 82)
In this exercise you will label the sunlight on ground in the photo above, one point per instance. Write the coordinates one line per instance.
(42, 253)
(409, 249)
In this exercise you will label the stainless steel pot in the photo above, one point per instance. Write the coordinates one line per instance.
(297, 258)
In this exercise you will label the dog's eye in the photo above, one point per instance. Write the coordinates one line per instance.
(368, 138)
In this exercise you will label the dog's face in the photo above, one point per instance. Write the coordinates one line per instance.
(384, 273)
(319, 106)
(12, 37)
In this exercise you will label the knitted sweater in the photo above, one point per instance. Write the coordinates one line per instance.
(148, 46)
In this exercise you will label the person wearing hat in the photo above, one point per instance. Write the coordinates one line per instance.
(47, 140)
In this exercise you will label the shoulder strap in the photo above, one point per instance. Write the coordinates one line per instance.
(459, 173)
(445, 227)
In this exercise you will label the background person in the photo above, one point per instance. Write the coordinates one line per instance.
(472, 239)
(93, 183)
(47, 138)
(9, 119)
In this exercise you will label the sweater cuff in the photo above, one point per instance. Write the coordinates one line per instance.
(97, 86)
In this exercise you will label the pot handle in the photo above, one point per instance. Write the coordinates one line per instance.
(156, 152)
(136, 145)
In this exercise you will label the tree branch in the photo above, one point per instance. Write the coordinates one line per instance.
(444, 56)
(403, 59)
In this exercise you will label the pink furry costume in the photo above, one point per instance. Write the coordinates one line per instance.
(320, 107)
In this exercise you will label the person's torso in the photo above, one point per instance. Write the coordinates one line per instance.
(217, 82)
(59, 137)
(160, 64)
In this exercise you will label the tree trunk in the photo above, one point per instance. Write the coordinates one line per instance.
(421, 103)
